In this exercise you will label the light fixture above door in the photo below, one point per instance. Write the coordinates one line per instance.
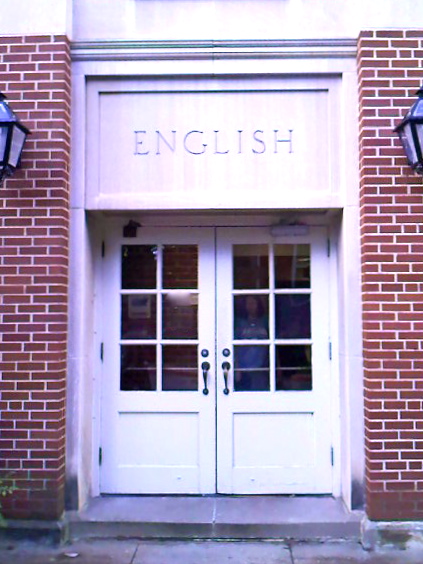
(12, 139)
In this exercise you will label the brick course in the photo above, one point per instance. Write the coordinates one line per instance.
(34, 223)
(391, 200)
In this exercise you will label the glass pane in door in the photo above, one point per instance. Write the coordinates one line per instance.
(180, 315)
(251, 317)
(292, 266)
(252, 368)
(138, 368)
(250, 267)
(292, 316)
(180, 368)
(293, 367)
(180, 267)
(139, 267)
(138, 316)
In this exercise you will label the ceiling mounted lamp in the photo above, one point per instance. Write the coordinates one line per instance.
(410, 132)
(12, 139)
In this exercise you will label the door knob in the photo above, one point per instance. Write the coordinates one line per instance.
(205, 367)
(226, 367)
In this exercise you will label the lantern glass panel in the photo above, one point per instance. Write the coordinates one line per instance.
(408, 143)
(18, 139)
(417, 110)
(419, 129)
(3, 140)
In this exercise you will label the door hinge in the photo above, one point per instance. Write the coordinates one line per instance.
(100, 456)
(332, 456)
(103, 249)
(101, 351)
(330, 350)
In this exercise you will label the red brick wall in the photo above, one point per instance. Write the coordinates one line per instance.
(391, 199)
(34, 221)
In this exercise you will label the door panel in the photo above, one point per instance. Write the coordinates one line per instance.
(273, 426)
(157, 422)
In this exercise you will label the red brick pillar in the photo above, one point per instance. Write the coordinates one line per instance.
(34, 224)
(391, 201)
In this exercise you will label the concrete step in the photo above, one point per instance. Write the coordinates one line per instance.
(215, 517)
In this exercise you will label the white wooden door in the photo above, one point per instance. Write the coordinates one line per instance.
(158, 413)
(215, 363)
(273, 410)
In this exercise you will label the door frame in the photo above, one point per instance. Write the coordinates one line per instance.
(260, 221)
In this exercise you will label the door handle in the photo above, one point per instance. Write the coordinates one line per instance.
(205, 367)
(226, 367)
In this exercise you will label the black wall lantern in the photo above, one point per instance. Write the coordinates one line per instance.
(410, 132)
(12, 139)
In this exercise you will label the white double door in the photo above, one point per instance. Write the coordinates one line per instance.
(216, 372)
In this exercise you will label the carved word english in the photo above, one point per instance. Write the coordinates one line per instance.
(196, 142)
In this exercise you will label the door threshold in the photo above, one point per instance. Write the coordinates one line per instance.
(215, 517)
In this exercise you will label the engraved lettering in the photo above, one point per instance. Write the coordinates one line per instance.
(276, 131)
(260, 141)
(216, 142)
(189, 134)
(171, 146)
(240, 131)
(212, 142)
(139, 142)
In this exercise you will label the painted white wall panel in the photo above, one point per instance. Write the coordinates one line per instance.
(160, 20)
(238, 19)
(36, 17)
(224, 145)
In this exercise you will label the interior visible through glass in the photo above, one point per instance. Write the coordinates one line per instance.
(250, 267)
(138, 317)
(179, 367)
(180, 315)
(289, 288)
(252, 368)
(139, 267)
(180, 267)
(138, 368)
(292, 316)
(287, 305)
(293, 367)
(292, 266)
(251, 316)
(153, 314)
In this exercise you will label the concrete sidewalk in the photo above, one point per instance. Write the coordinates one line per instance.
(202, 552)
